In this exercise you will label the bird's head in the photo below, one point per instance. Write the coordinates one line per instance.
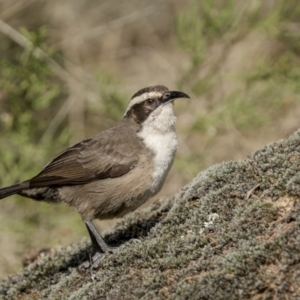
(153, 106)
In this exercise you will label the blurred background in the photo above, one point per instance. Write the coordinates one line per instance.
(68, 69)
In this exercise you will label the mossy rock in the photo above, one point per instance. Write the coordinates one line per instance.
(232, 233)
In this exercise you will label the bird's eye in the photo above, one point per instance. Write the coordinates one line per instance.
(150, 101)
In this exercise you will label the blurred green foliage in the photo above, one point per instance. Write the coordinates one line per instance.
(248, 95)
(112, 108)
(244, 68)
(263, 90)
(203, 23)
(29, 94)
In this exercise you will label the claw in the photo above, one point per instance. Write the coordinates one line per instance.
(94, 262)
(131, 241)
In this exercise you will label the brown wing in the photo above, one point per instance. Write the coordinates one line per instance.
(104, 156)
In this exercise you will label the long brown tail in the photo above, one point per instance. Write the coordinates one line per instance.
(10, 190)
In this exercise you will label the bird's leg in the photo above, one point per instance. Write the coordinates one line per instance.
(98, 242)
(99, 247)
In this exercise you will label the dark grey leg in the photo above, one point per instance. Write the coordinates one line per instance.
(99, 244)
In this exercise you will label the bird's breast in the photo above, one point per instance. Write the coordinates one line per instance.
(163, 147)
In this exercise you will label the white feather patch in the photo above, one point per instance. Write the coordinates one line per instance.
(159, 135)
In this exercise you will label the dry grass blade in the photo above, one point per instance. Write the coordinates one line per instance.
(14, 8)
(21, 40)
(113, 24)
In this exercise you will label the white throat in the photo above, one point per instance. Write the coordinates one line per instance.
(159, 135)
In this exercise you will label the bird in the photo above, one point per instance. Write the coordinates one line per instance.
(115, 171)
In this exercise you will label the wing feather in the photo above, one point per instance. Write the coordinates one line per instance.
(101, 157)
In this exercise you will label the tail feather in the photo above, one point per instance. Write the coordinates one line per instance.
(10, 190)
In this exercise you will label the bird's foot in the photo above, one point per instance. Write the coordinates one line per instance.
(131, 241)
(94, 261)
(100, 247)
(98, 256)
(109, 249)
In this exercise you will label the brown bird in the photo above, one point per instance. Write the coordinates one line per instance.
(117, 170)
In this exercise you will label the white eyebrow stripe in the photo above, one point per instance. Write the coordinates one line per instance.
(142, 98)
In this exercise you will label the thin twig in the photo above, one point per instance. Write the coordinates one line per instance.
(117, 23)
(14, 8)
(21, 40)
(56, 121)
(81, 80)
(249, 193)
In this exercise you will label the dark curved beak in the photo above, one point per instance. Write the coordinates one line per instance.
(172, 95)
